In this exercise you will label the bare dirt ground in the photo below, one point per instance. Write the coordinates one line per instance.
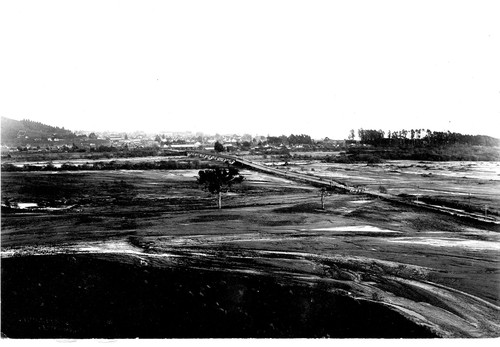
(382, 270)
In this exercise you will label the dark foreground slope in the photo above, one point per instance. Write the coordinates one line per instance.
(84, 296)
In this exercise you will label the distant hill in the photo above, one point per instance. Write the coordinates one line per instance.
(16, 131)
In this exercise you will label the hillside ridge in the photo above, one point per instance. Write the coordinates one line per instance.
(13, 130)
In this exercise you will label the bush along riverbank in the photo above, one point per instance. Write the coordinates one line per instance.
(443, 153)
(115, 165)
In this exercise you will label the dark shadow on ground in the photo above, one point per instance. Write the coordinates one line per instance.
(83, 296)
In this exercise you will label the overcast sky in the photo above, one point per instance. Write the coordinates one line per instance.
(266, 67)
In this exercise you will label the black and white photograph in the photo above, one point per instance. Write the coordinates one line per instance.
(246, 170)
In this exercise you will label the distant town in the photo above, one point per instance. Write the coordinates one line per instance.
(20, 138)
(29, 136)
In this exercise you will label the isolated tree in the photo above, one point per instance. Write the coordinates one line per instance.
(219, 180)
(323, 193)
(218, 147)
(246, 145)
(351, 135)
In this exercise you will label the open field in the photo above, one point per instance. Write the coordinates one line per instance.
(148, 254)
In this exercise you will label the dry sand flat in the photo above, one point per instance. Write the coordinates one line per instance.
(468, 185)
(435, 271)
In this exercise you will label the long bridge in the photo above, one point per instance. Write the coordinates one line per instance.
(330, 184)
(297, 176)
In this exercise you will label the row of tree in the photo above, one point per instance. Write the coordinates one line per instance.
(114, 165)
(421, 138)
(41, 128)
(301, 139)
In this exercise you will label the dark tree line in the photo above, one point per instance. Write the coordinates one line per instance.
(34, 126)
(423, 138)
(301, 139)
(114, 165)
